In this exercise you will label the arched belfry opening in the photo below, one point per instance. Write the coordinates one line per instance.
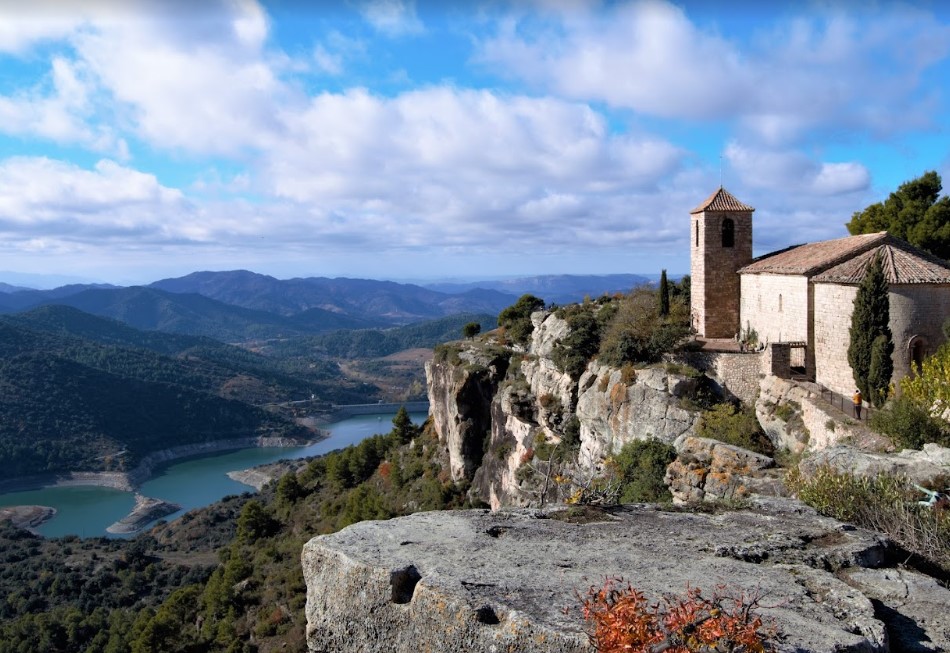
(722, 237)
(728, 233)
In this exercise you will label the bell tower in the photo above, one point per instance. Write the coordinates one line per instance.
(720, 243)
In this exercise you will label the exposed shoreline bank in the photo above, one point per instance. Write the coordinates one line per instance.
(146, 510)
(131, 480)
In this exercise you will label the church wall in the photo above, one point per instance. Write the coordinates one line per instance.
(776, 306)
(833, 306)
(917, 311)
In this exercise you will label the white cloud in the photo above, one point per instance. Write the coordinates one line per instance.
(826, 70)
(393, 17)
(794, 172)
(49, 201)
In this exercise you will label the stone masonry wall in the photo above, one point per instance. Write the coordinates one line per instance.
(776, 306)
(916, 310)
(738, 374)
(713, 269)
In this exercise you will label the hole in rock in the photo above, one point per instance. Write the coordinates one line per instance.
(496, 531)
(486, 615)
(403, 582)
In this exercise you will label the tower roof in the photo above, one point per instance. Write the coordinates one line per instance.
(722, 200)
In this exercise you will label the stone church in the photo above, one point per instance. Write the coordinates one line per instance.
(800, 299)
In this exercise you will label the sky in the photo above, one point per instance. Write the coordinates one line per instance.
(404, 140)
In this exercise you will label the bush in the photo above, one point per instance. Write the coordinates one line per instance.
(640, 467)
(884, 503)
(516, 319)
(573, 352)
(726, 423)
(909, 425)
(637, 333)
(624, 622)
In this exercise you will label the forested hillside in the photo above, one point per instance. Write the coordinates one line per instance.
(223, 578)
(72, 403)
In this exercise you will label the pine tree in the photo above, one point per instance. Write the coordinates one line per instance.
(664, 295)
(870, 319)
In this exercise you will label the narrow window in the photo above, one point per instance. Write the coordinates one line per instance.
(728, 233)
(918, 351)
(697, 233)
(779, 303)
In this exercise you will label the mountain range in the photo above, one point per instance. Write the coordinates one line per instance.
(240, 305)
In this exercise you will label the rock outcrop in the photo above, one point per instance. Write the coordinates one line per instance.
(146, 511)
(508, 581)
(709, 470)
(494, 414)
(931, 463)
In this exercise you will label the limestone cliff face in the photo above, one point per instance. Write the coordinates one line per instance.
(461, 392)
(529, 405)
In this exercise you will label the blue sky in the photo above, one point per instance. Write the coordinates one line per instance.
(414, 140)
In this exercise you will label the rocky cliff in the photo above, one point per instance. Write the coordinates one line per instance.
(500, 413)
(513, 424)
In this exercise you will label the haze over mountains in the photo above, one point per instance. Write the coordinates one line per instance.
(241, 305)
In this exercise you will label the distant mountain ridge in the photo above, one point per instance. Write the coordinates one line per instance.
(239, 305)
(552, 288)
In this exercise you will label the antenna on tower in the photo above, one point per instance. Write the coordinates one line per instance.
(720, 171)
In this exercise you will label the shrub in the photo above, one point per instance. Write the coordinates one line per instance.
(516, 319)
(909, 425)
(573, 352)
(622, 621)
(887, 504)
(785, 411)
(726, 423)
(640, 467)
(637, 333)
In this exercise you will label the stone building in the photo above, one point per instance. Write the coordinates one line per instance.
(803, 296)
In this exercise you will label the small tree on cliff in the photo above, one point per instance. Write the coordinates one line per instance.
(869, 320)
(516, 319)
(471, 330)
(664, 298)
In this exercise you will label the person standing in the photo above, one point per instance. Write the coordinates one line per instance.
(857, 403)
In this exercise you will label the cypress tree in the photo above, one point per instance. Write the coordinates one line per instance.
(664, 295)
(879, 374)
(870, 319)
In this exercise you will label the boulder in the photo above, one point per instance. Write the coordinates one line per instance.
(924, 466)
(709, 470)
(513, 580)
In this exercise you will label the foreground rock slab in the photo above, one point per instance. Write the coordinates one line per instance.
(509, 581)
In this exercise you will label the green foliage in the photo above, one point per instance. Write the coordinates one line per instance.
(915, 212)
(640, 467)
(471, 329)
(664, 295)
(516, 319)
(403, 429)
(884, 503)
(254, 523)
(880, 370)
(929, 390)
(637, 333)
(726, 423)
(910, 425)
(572, 353)
(869, 319)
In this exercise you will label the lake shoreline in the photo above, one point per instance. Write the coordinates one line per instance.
(130, 481)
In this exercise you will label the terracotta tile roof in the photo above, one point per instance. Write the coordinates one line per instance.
(903, 264)
(721, 200)
(845, 260)
(813, 258)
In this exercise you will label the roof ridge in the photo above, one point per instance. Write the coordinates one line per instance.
(722, 200)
